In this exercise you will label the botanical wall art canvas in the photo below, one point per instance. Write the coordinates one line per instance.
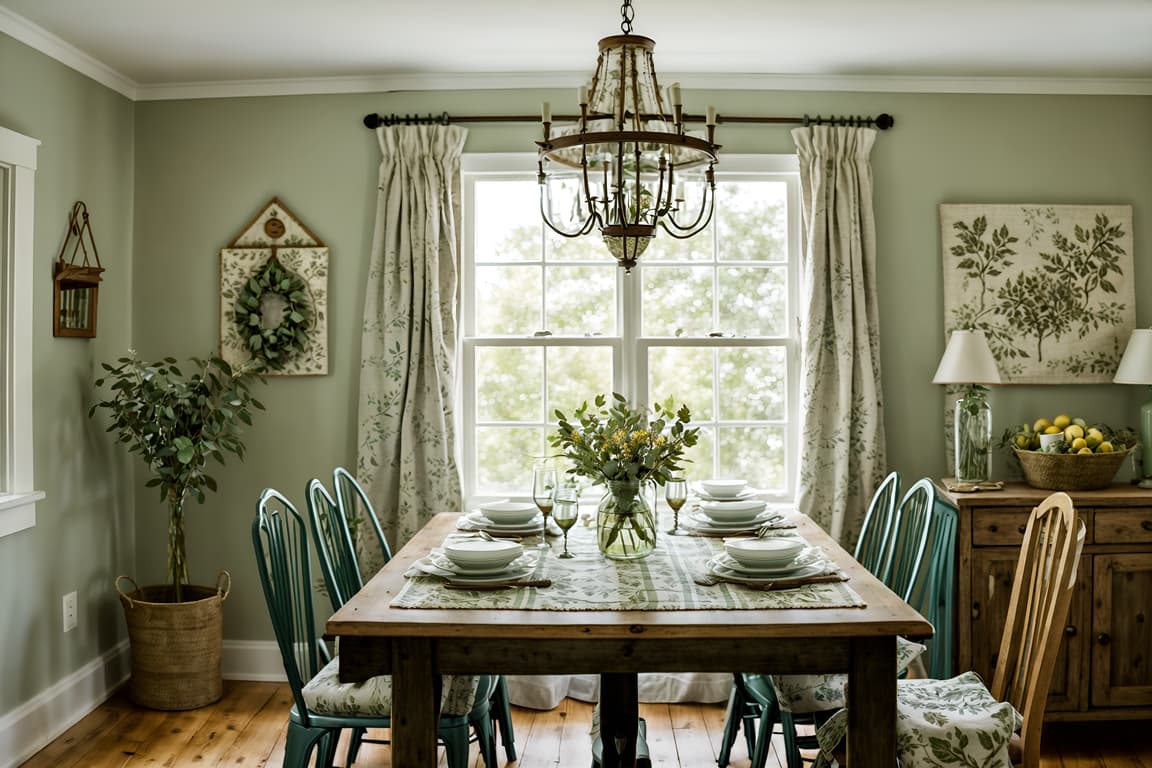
(1050, 285)
(274, 295)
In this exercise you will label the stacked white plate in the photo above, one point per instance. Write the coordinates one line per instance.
(478, 521)
(478, 560)
(702, 523)
(735, 511)
(808, 562)
(510, 512)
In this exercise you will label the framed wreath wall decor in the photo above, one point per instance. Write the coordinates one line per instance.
(273, 295)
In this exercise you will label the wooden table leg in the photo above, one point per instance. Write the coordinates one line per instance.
(414, 715)
(619, 716)
(872, 703)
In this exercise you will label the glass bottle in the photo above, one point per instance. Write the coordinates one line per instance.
(973, 437)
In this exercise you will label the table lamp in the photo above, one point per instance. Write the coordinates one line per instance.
(968, 360)
(1136, 368)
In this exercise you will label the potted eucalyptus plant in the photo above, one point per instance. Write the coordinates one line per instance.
(176, 423)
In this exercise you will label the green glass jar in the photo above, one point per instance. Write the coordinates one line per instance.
(626, 521)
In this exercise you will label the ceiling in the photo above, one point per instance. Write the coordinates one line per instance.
(163, 48)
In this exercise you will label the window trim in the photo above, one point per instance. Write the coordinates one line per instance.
(17, 497)
(496, 165)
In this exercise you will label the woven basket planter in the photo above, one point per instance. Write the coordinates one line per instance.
(176, 647)
(1070, 471)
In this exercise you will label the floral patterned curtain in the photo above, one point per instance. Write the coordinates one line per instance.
(842, 453)
(406, 440)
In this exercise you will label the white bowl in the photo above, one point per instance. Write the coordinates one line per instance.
(482, 553)
(759, 553)
(723, 488)
(509, 512)
(733, 511)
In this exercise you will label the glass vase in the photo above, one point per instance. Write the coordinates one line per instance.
(973, 438)
(626, 522)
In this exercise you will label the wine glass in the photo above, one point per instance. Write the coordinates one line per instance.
(544, 494)
(565, 512)
(675, 493)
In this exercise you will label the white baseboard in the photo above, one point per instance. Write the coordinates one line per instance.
(252, 660)
(33, 725)
(30, 727)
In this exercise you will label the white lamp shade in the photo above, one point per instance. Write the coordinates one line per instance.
(967, 360)
(1136, 365)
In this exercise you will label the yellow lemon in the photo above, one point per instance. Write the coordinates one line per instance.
(1094, 437)
(1041, 425)
(1104, 447)
(1062, 420)
(1079, 443)
(1085, 449)
(1052, 429)
(1072, 432)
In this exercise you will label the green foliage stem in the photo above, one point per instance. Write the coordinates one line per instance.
(175, 423)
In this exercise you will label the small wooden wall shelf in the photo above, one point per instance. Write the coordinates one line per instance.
(76, 282)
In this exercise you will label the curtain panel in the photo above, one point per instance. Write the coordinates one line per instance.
(842, 453)
(406, 455)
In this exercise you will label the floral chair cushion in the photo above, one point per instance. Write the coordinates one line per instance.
(953, 721)
(940, 722)
(326, 695)
(816, 693)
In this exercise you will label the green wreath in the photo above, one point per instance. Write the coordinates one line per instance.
(279, 345)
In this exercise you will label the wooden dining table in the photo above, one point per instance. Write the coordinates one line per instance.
(417, 645)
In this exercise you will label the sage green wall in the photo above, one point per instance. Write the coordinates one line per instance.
(84, 534)
(204, 168)
(170, 183)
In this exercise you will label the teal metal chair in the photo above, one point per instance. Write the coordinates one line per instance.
(872, 548)
(322, 705)
(936, 601)
(334, 522)
(355, 506)
(892, 545)
(358, 511)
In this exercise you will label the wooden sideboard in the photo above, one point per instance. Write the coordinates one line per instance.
(1104, 670)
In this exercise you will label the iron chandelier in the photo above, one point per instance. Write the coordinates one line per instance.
(627, 165)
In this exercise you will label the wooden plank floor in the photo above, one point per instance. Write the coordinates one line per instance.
(247, 728)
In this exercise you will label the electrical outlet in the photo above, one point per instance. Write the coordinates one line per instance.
(69, 611)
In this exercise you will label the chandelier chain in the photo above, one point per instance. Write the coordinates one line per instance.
(627, 14)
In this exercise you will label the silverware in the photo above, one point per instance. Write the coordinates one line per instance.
(711, 580)
(498, 584)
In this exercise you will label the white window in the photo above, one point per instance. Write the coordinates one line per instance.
(549, 322)
(17, 187)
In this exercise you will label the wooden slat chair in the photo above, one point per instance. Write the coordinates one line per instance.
(323, 706)
(978, 725)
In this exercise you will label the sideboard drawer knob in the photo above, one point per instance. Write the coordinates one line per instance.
(1103, 638)
(1070, 630)
(1146, 525)
(1021, 529)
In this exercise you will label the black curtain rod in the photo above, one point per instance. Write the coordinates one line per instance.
(883, 121)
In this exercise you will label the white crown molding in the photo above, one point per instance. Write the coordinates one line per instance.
(1101, 86)
(749, 82)
(50, 45)
(40, 39)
